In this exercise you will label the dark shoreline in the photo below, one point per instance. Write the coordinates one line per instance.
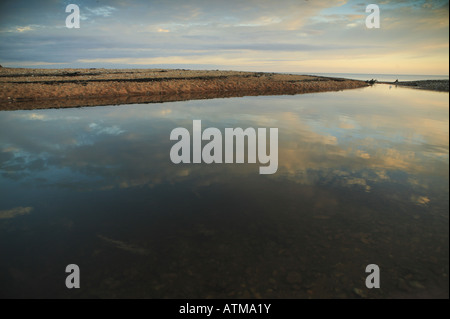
(430, 85)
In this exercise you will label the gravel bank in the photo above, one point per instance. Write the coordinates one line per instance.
(57, 88)
(432, 85)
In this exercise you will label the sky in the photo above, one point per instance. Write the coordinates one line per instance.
(306, 36)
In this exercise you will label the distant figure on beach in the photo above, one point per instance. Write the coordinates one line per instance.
(371, 82)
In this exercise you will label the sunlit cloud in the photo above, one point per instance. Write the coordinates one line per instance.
(20, 29)
(358, 181)
(420, 200)
(363, 154)
(23, 29)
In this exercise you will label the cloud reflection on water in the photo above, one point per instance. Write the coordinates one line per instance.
(359, 137)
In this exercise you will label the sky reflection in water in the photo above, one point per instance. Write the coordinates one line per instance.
(362, 178)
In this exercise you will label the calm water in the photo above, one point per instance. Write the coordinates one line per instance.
(385, 77)
(363, 178)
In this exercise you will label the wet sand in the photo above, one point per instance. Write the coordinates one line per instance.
(25, 89)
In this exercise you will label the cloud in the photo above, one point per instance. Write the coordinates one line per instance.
(20, 29)
(420, 200)
(285, 35)
(14, 212)
(23, 29)
(105, 11)
(362, 154)
(99, 129)
(358, 181)
(34, 116)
